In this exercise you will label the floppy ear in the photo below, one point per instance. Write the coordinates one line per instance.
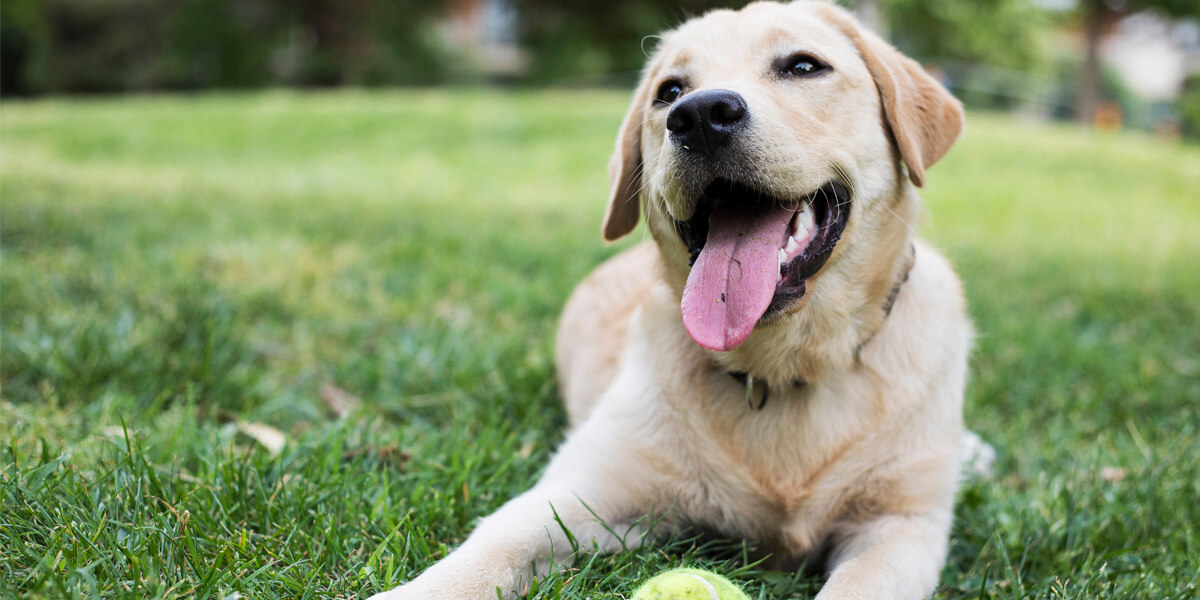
(924, 117)
(625, 168)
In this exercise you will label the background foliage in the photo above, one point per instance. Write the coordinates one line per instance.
(54, 46)
(119, 45)
(1001, 33)
(597, 37)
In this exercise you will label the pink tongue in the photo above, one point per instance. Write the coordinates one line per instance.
(734, 278)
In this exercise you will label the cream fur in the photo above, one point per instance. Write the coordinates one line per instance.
(863, 461)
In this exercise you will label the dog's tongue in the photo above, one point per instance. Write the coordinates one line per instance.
(733, 280)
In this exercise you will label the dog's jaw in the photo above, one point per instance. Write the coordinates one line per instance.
(822, 331)
(752, 254)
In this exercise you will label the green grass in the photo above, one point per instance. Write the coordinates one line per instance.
(172, 267)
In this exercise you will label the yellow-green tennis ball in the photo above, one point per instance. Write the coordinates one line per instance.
(688, 584)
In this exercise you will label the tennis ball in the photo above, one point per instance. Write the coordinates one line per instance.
(688, 584)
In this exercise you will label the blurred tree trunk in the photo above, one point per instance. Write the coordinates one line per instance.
(1098, 18)
(336, 26)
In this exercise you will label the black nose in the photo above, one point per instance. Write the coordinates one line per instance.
(705, 121)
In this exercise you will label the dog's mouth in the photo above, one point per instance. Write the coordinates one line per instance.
(752, 255)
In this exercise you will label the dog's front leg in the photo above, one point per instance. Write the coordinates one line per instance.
(590, 489)
(890, 557)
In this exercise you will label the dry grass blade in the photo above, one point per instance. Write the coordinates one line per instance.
(338, 400)
(272, 439)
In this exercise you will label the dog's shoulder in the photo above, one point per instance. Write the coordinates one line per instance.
(594, 328)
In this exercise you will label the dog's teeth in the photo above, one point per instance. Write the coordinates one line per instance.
(804, 221)
(792, 244)
(783, 254)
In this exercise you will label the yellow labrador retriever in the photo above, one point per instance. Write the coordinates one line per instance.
(785, 363)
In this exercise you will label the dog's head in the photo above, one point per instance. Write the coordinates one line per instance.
(768, 148)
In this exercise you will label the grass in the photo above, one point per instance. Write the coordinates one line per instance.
(173, 268)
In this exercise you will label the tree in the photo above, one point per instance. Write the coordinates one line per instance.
(1099, 16)
(1000, 33)
(593, 40)
(86, 46)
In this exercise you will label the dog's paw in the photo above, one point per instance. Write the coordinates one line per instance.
(417, 589)
(411, 592)
(423, 589)
(398, 593)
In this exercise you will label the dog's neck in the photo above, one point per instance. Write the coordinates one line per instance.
(906, 266)
(758, 392)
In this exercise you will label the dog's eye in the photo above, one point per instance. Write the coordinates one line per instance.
(669, 91)
(802, 65)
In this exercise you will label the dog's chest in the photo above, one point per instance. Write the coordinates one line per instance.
(795, 456)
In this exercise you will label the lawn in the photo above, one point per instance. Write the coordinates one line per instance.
(177, 270)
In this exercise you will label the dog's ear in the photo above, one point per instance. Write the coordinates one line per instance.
(924, 117)
(625, 167)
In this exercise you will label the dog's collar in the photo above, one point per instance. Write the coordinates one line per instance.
(891, 299)
(747, 379)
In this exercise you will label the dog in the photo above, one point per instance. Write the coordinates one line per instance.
(785, 361)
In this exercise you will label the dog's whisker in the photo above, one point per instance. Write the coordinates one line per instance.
(643, 44)
(639, 175)
(911, 228)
